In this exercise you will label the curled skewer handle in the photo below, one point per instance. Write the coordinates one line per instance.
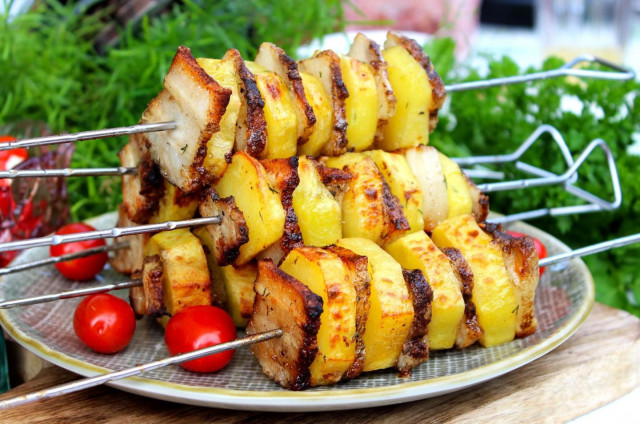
(567, 176)
(590, 250)
(86, 383)
(63, 258)
(104, 234)
(8, 304)
(88, 135)
(522, 149)
(621, 74)
(66, 172)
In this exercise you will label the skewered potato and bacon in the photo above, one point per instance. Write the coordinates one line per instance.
(331, 245)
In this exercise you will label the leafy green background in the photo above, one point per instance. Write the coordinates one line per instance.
(51, 73)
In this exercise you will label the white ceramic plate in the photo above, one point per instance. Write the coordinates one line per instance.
(564, 298)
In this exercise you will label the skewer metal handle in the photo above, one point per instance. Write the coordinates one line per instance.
(86, 383)
(8, 304)
(621, 74)
(88, 135)
(105, 234)
(63, 258)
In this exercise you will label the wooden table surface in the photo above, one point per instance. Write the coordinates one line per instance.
(598, 364)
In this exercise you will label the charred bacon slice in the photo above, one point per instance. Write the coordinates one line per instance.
(415, 350)
(196, 102)
(469, 331)
(284, 302)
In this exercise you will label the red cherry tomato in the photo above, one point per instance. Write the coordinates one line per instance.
(10, 158)
(81, 269)
(104, 322)
(197, 327)
(542, 251)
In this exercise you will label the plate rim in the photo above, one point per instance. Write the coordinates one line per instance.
(337, 399)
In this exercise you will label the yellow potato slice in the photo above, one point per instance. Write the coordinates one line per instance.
(391, 308)
(493, 293)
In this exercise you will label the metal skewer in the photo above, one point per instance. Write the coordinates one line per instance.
(245, 341)
(64, 258)
(560, 179)
(66, 172)
(621, 74)
(86, 383)
(109, 233)
(584, 251)
(26, 301)
(88, 135)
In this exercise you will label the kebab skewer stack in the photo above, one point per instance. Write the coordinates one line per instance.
(339, 224)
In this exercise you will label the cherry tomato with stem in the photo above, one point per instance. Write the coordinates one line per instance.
(540, 248)
(104, 322)
(81, 269)
(197, 327)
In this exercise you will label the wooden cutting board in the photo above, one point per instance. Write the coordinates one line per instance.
(600, 363)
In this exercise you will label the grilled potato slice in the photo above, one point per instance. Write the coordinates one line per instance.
(469, 331)
(417, 251)
(521, 258)
(238, 282)
(320, 101)
(325, 65)
(175, 205)
(437, 91)
(283, 176)
(368, 51)
(409, 125)
(318, 212)
(391, 309)
(493, 293)
(251, 126)
(369, 209)
(359, 276)
(127, 261)
(231, 287)
(274, 59)
(185, 274)
(425, 165)
(326, 275)
(220, 145)
(403, 185)
(279, 113)
(140, 192)
(415, 349)
(457, 187)
(259, 203)
(284, 302)
(197, 103)
(361, 107)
